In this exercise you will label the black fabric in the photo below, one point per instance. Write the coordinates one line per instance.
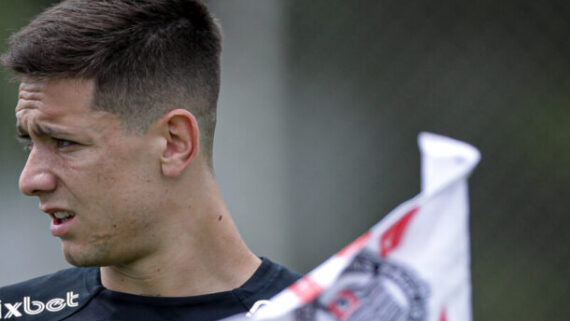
(77, 294)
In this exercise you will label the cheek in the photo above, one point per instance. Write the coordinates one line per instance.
(118, 195)
(126, 187)
(119, 184)
(120, 170)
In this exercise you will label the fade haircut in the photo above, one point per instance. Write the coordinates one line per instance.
(146, 57)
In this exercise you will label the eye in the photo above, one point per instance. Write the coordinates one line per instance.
(63, 143)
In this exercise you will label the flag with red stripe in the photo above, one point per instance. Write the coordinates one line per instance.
(411, 266)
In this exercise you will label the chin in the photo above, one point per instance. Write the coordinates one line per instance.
(81, 261)
(81, 257)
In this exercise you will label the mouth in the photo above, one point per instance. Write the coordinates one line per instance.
(61, 222)
(60, 217)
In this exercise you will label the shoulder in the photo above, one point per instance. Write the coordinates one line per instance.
(46, 286)
(281, 276)
(50, 297)
(269, 279)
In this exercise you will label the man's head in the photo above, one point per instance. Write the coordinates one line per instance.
(146, 57)
(117, 99)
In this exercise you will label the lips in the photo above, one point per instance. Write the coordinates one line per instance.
(61, 221)
(61, 217)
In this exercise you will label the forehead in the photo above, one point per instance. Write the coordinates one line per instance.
(52, 101)
(55, 96)
(60, 104)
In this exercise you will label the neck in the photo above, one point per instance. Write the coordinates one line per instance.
(200, 251)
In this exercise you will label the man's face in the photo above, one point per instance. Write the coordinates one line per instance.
(97, 183)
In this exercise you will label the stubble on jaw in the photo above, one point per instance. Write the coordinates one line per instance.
(96, 254)
(114, 247)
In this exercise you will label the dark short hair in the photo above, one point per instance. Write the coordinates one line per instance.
(146, 57)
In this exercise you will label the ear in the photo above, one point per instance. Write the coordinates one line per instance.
(180, 129)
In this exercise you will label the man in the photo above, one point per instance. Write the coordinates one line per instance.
(117, 104)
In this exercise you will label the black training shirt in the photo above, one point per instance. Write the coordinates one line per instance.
(77, 294)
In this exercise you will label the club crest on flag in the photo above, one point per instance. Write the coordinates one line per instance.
(370, 288)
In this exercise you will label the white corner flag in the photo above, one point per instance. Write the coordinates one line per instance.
(411, 266)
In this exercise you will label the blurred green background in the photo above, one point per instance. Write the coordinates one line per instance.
(320, 108)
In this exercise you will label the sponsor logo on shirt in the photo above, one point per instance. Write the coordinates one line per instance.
(12, 310)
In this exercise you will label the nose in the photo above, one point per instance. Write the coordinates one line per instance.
(36, 177)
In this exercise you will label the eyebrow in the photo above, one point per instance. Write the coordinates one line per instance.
(40, 131)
